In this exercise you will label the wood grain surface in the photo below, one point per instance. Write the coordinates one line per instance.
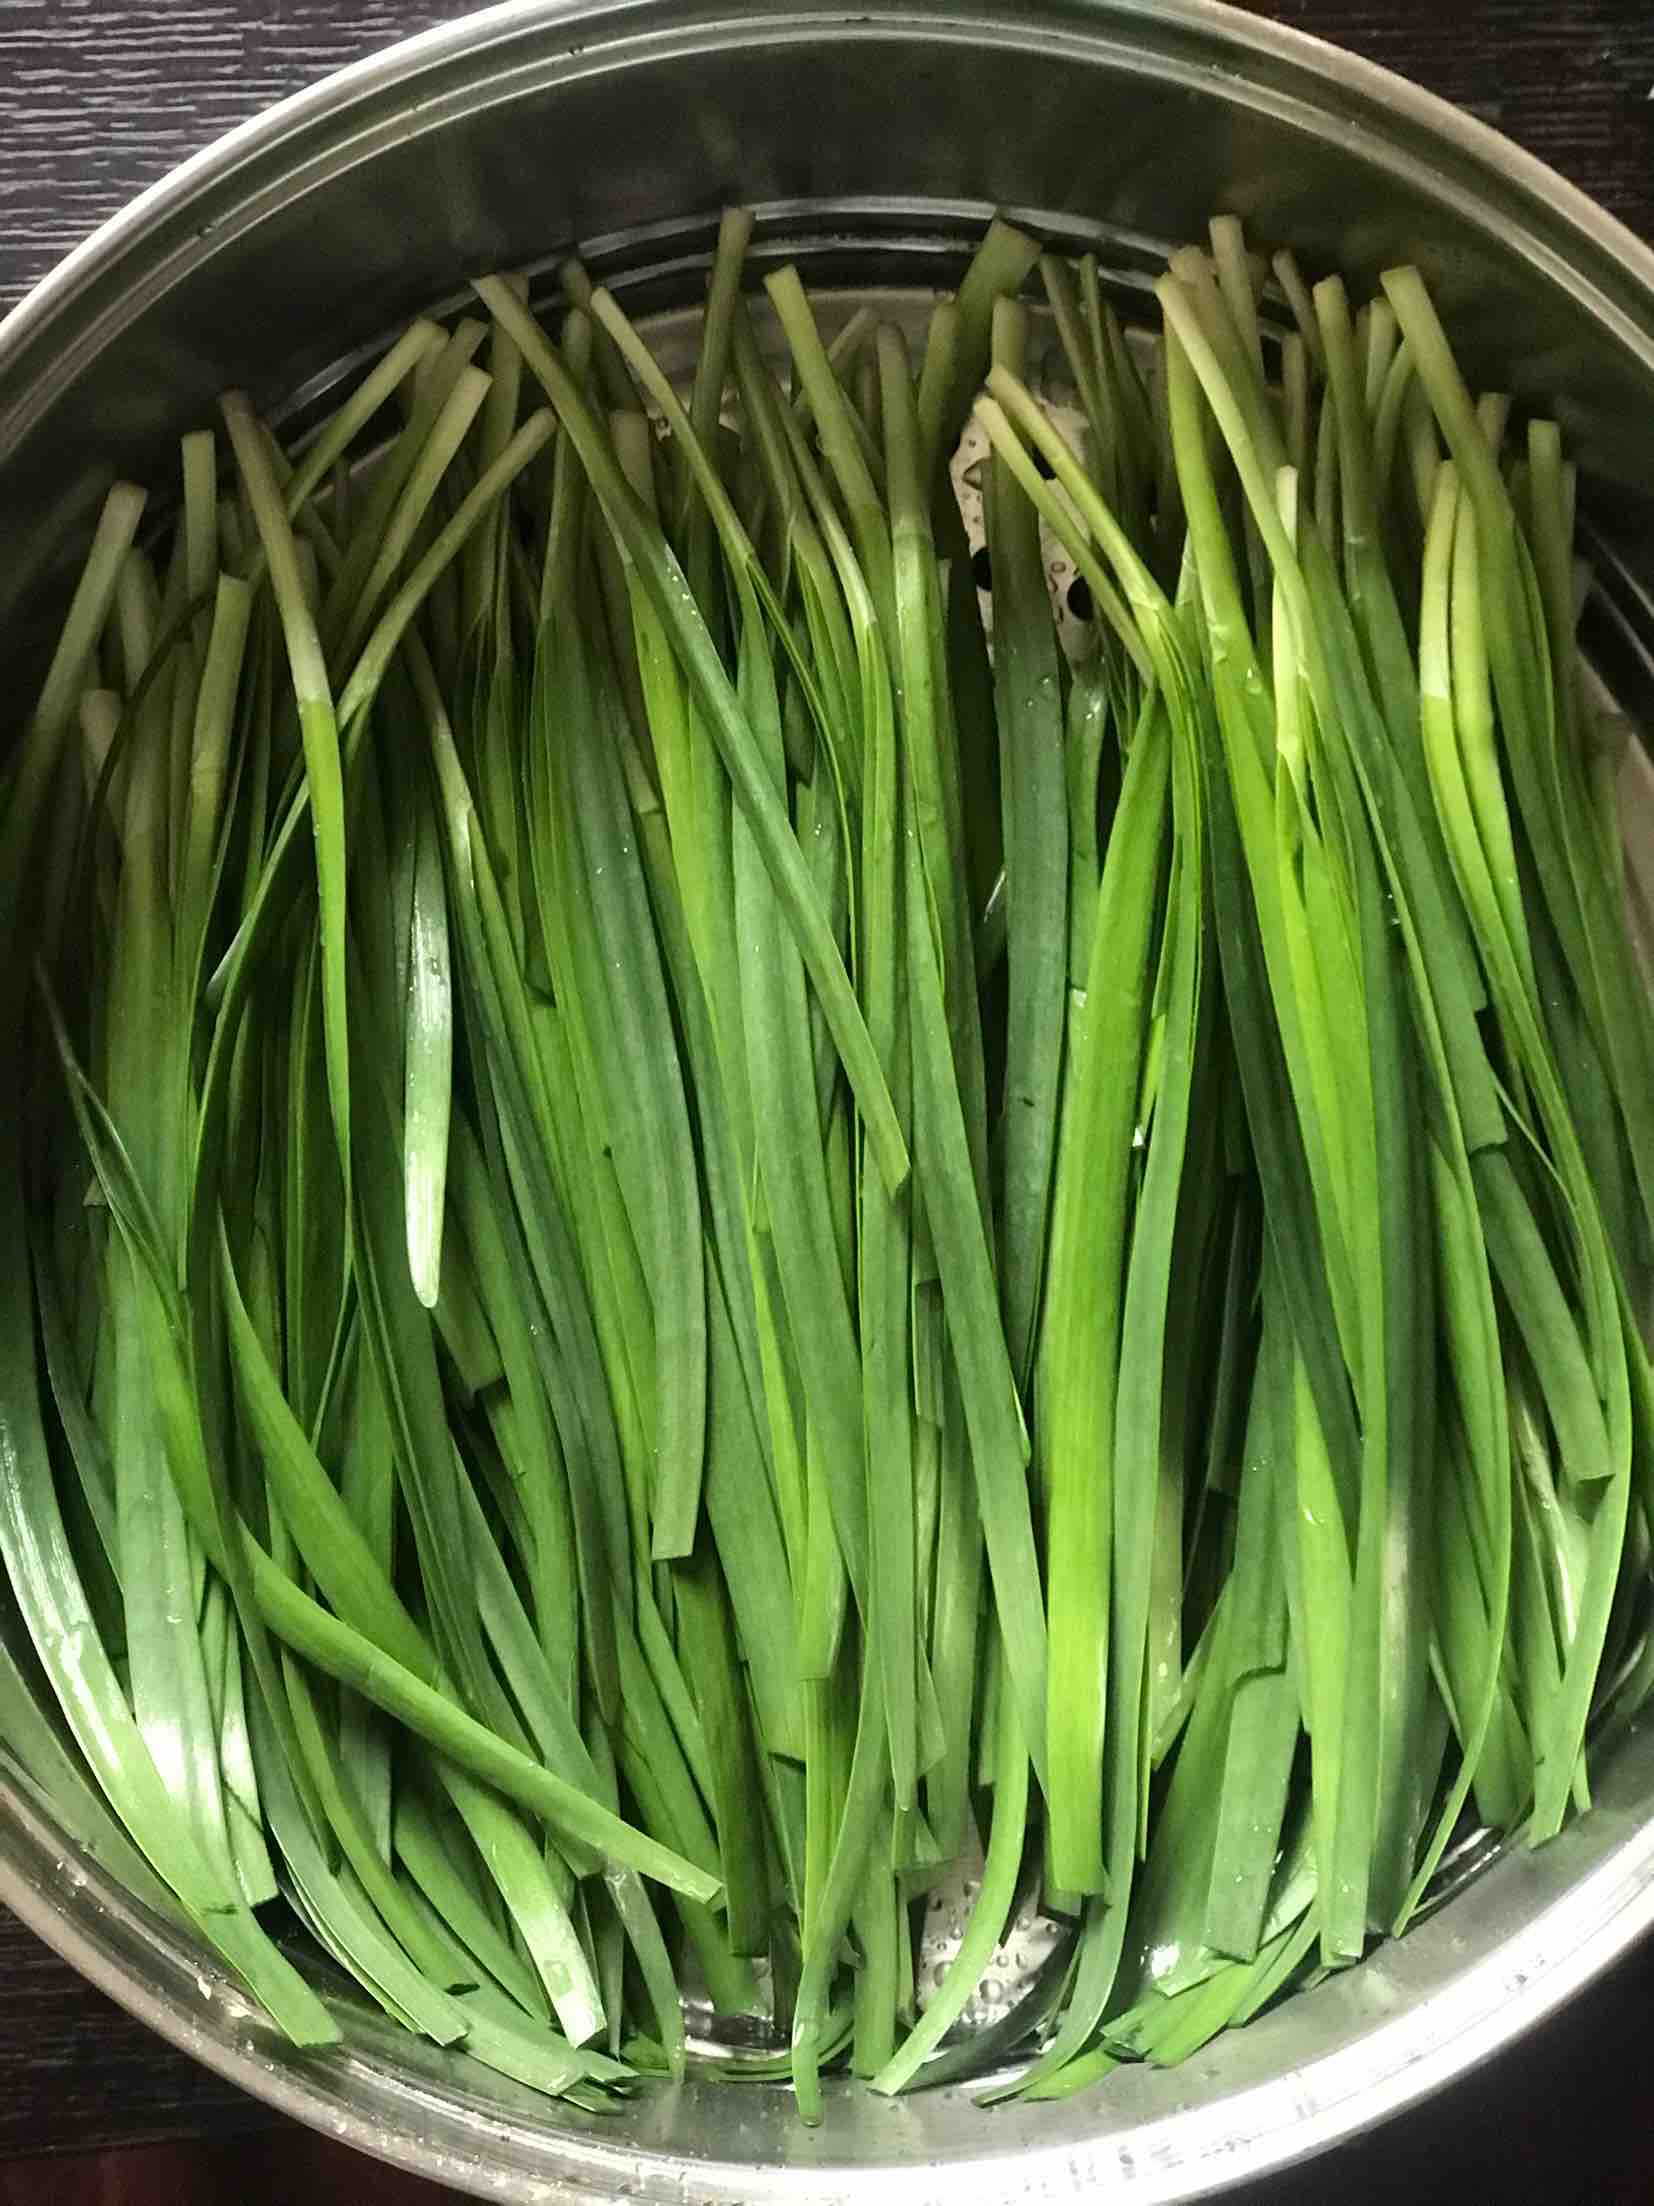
(77, 2073)
(99, 98)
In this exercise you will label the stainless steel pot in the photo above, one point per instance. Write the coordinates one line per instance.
(874, 140)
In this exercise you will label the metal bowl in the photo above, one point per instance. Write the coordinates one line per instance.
(874, 140)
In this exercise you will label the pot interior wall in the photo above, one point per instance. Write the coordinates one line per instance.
(875, 142)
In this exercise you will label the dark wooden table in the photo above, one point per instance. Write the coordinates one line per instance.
(99, 98)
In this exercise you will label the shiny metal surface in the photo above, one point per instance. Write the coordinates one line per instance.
(873, 140)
